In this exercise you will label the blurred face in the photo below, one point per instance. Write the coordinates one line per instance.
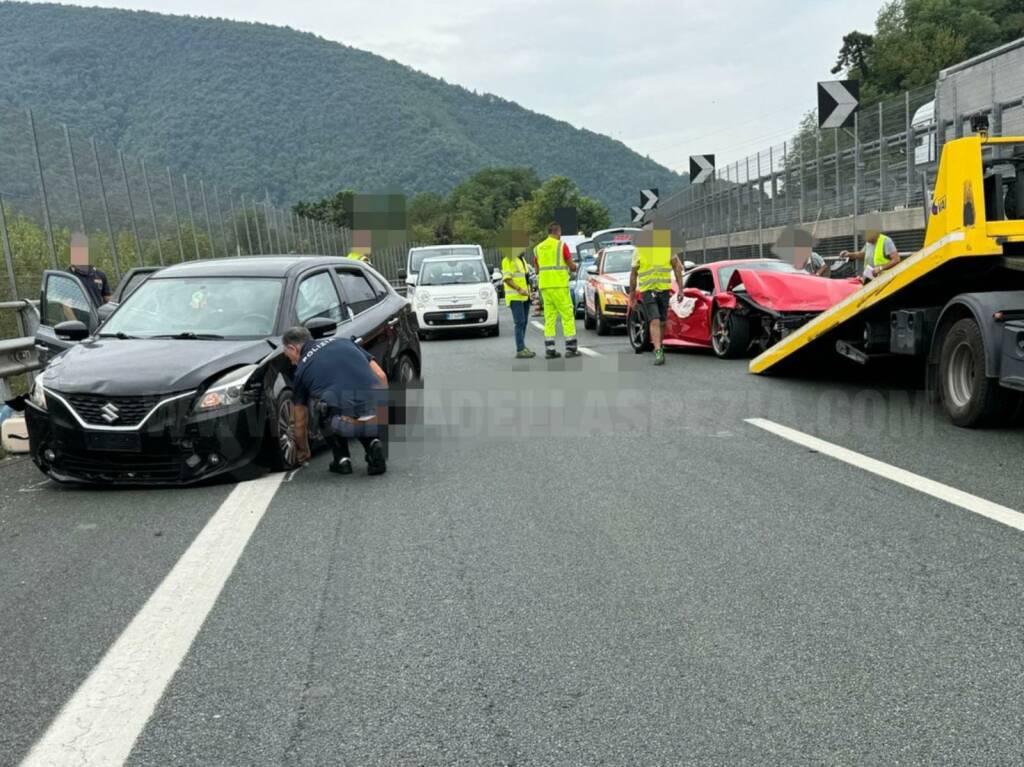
(79, 255)
(293, 353)
(801, 256)
(871, 235)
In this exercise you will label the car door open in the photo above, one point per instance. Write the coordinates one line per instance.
(66, 314)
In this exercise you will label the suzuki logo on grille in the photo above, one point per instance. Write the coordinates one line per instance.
(110, 412)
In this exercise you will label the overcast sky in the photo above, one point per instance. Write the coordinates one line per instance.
(669, 78)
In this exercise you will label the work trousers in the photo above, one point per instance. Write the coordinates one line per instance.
(520, 316)
(558, 303)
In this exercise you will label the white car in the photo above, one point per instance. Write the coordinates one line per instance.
(455, 293)
(416, 256)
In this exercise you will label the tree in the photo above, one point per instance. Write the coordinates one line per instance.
(535, 214)
(853, 56)
(336, 210)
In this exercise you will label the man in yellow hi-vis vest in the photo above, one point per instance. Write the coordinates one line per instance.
(651, 277)
(880, 252)
(361, 246)
(554, 264)
(517, 297)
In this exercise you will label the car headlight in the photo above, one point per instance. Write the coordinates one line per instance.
(422, 297)
(488, 294)
(226, 391)
(38, 395)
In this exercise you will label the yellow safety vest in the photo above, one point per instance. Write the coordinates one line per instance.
(880, 258)
(514, 268)
(552, 271)
(356, 256)
(655, 269)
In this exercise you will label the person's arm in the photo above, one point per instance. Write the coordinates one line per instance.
(568, 258)
(509, 281)
(300, 420)
(679, 270)
(379, 372)
(632, 286)
(105, 293)
(894, 258)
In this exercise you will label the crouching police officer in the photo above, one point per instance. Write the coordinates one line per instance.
(350, 391)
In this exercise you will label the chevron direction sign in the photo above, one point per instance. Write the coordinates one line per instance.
(702, 167)
(648, 199)
(838, 101)
(636, 214)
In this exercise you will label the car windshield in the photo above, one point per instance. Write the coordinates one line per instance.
(618, 261)
(231, 307)
(416, 256)
(725, 273)
(586, 251)
(457, 271)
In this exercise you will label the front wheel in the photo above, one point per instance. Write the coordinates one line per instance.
(588, 319)
(602, 324)
(280, 450)
(730, 334)
(969, 397)
(639, 331)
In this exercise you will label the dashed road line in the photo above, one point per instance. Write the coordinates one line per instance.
(103, 719)
(973, 503)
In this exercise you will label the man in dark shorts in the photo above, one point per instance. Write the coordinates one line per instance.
(651, 276)
(94, 280)
(349, 392)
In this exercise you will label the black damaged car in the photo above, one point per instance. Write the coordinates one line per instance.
(185, 380)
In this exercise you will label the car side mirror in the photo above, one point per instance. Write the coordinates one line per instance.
(106, 310)
(321, 327)
(72, 330)
(592, 269)
(402, 274)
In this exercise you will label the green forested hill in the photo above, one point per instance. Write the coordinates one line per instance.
(255, 106)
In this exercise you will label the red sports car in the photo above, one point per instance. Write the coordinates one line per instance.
(741, 306)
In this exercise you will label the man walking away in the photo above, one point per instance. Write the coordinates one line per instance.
(517, 296)
(349, 389)
(554, 263)
(651, 276)
(94, 280)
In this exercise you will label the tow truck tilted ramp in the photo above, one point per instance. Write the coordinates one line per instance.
(972, 261)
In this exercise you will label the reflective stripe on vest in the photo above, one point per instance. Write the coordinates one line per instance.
(515, 270)
(655, 269)
(553, 272)
(880, 258)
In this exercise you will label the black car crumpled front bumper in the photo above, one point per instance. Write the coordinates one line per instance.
(172, 446)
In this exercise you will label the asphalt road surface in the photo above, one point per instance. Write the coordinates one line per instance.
(584, 562)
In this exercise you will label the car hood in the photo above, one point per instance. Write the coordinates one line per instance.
(788, 292)
(464, 291)
(147, 366)
(614, 278)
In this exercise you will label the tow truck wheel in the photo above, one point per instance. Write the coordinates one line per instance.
(639, 332)
(730, 335)
(969, 397)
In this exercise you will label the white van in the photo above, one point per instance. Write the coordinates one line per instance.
(923, 125)
(416, 256)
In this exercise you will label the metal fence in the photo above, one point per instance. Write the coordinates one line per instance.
(878, 166)
(55, 181)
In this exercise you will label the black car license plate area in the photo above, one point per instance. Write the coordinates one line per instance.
(124, 442)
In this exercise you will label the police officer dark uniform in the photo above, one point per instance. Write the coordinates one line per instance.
(94, 280)
(349, 391)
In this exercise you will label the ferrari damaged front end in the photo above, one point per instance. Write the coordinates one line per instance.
(775, 303)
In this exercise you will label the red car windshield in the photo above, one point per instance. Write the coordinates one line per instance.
(725, 272)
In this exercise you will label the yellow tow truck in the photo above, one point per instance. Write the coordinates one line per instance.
(957, 305)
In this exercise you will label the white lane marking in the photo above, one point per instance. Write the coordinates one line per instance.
(101, 722)
(583, 349)
(993, 511)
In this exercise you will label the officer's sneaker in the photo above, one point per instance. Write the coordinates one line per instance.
(569, 353)
(552, 354)
(375, 463)
(659, 356)
(525, 354)
(344, 466)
